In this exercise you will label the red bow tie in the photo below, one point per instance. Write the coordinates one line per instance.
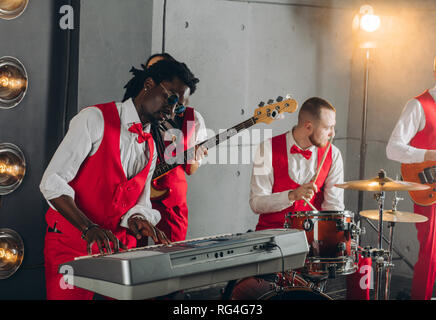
(305, 153)
(142, 136)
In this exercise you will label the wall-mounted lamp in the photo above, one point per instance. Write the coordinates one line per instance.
(11, 252)
(13, 82)
(12, 167)
(11, 9)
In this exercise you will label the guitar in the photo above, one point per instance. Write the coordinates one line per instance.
(424, 173)
(265, 113)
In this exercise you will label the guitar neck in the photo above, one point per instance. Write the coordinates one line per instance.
(163, 167)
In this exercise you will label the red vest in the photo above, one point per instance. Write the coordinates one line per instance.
(425, 139)
(102, 190)
(283, 182)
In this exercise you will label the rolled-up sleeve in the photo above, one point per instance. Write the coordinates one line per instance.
(411, 121)
(85, 128)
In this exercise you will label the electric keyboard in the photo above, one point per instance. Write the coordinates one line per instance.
(153, 271)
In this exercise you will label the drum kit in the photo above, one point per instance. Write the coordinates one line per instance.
(333, 238)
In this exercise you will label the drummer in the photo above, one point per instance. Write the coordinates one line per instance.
(284, 168)
(284, 171)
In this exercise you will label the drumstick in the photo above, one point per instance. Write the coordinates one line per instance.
(319, 170)
(311, 205)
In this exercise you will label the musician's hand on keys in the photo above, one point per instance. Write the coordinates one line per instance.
(141, 227)
(103, 238)
(305, 191)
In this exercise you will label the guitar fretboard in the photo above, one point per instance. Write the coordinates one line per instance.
(189, 154)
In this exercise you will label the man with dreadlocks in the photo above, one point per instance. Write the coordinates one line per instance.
(189, 128)
(98, 181)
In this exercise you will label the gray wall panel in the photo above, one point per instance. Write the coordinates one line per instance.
(114, 37)
(245, 53)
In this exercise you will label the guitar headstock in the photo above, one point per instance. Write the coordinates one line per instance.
(270, 112)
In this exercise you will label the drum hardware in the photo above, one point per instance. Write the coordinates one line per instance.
(342, 246)
(332, 271)
(330, 235)
(383, 258)
(308, 225)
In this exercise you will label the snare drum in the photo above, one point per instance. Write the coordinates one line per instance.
(331, 238)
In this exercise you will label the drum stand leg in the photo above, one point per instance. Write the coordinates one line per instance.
(379, 255)
(389, 264)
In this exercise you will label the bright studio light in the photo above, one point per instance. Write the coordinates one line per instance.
(11, 252)
(12, 168)
(366, 20)
(11, 9)
(370, 22)
(13, 82)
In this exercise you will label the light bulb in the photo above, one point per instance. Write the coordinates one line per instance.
(370, 22)
(11, 9)
(12, 168)
(11, 252)
(13, 82)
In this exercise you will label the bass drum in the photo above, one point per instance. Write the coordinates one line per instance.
(295, 293)
(290, 286)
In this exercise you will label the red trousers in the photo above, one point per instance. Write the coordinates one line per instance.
(174, 221)
(425, 268)
(60, 249)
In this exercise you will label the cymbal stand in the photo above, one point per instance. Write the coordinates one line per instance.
(384, 257)
(380, 261)
(379, 252)
(390, 265)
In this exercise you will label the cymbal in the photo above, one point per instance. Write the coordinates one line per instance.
(382, 184)
(394, 216)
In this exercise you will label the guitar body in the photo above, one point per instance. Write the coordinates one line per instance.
(157, 193)
(424, 173)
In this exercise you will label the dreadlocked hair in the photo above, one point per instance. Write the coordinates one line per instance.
(163, 70)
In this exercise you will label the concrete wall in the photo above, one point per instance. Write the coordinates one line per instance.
(247, 52)
(114, 37)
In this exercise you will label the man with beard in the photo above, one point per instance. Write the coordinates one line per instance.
(282, 180)
(286, 164)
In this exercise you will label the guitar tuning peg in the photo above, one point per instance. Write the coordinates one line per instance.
(288, 96)
(261, 104)
(279, 99)
(270, 101)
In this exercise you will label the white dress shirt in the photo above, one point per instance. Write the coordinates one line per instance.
(83, 139)
(412, 120)
(300, 170)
